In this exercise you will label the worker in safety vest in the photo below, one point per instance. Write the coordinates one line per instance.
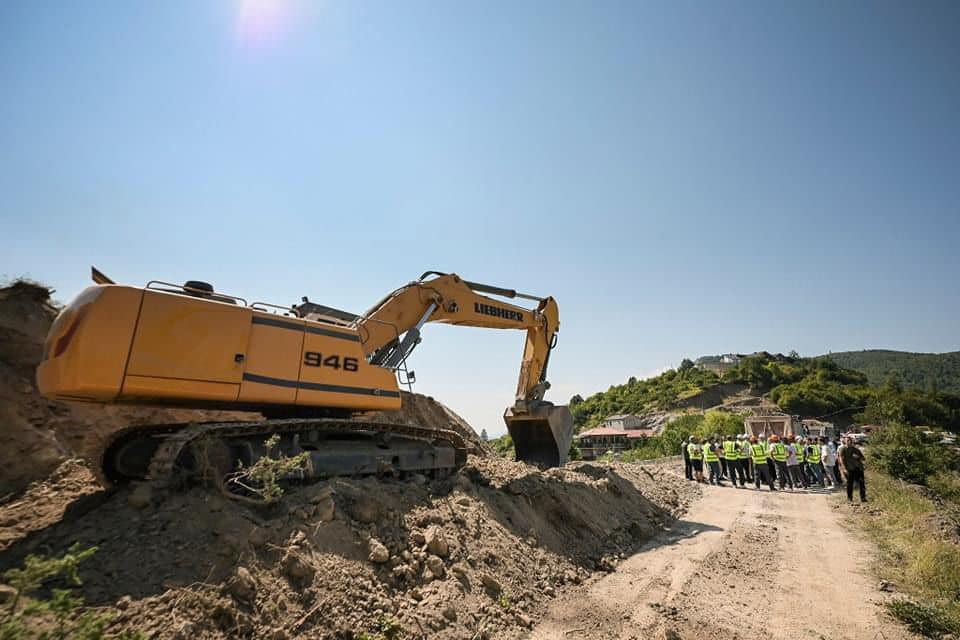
(746, 456)
(771, 467)
(710, 456)
(732, 453)
(758, 451)
(778, 451)
(696, 458)
(802, 460)
(813, 462)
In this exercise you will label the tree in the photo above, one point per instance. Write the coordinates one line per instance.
(904, 452)
(686, 364)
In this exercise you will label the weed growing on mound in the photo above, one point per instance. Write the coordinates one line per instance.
(60, 615)
(387, 629)
(263, 477)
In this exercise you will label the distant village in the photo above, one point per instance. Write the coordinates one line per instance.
(621, 432)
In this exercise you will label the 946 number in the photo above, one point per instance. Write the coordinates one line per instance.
(315, 359)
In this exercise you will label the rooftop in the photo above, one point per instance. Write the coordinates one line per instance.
(603, 431)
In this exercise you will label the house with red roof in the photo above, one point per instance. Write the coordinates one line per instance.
(612, 435)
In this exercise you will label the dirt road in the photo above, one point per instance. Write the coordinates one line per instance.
(741, 564)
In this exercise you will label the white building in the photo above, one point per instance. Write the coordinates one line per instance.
(622, 422)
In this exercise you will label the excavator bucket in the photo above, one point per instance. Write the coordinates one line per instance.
(542, 434)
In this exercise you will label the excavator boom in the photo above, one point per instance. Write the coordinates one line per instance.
(541, 432)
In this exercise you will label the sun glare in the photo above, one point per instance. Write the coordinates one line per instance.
(262, 21)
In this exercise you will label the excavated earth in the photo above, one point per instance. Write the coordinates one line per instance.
(476, 555)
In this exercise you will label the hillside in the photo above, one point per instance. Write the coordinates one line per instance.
(915, 370)
(809, 387)
(662, 392)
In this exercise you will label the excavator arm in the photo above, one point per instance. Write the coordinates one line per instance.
(391, 330)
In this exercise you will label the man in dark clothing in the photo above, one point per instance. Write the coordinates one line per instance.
(851, 461)
(687, 467)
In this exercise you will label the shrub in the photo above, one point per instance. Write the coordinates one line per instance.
(60, 615)
(904, 452)
(263, 477)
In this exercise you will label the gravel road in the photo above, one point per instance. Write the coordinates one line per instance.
(742, 564)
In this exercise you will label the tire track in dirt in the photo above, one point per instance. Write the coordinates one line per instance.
(741, 564)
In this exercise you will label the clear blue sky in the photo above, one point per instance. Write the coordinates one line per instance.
(684, 177)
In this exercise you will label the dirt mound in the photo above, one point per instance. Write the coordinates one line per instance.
(29, 449)
(425, 411)
(477, 555)
(39, 434)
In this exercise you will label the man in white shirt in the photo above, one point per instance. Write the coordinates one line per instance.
(828, 456)
(836, 470)
(793, 465)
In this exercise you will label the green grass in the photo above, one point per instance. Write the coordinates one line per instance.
(923, 567)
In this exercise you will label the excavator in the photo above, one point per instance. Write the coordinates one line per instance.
(312, 371)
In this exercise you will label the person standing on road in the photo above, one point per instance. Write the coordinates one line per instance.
(812, 457)
(732, 453)
(771, 466)
(794, 455)
(851, 462)
(779, 454)
(685, 452)
(746, 457)
(836, 468)
(721, 454)
(801, 446)
(713, 461)
(828, 456)
(696, 458)
(758, 451)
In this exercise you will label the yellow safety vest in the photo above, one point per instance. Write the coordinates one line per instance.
(694, 451)
(801, 452)
(779, 452)
(814, 455)
(709, 454)
(730, 450)
(759, 453)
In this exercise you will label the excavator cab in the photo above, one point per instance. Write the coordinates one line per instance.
(541, 434)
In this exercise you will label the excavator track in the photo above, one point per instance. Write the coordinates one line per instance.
(173, 441)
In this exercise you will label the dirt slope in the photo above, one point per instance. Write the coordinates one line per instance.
(741, 564)
(478, 555)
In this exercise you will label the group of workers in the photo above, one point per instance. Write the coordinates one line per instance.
(792, 461)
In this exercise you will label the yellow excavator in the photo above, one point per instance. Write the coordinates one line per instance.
(309, 369)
